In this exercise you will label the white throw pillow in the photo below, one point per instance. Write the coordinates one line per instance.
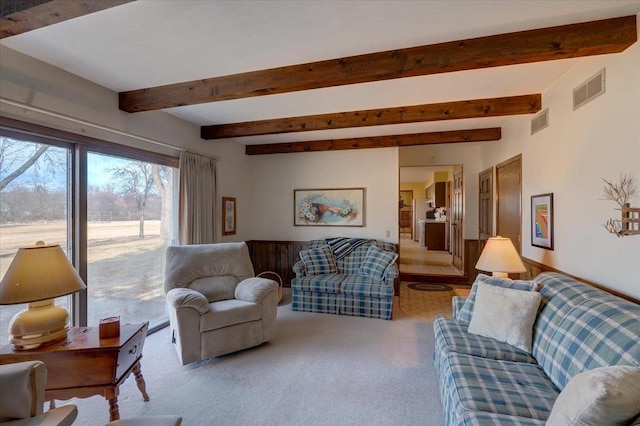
(505, 314)
(602, 396)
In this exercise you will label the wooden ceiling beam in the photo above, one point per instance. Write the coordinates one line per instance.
(455, 136)
(546, 44)
(476, 108)
(21, 16)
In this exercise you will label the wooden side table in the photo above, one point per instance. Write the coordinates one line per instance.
(85, 365)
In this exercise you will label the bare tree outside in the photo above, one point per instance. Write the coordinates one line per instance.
(163, 179)
(17, 157)
(135, 181)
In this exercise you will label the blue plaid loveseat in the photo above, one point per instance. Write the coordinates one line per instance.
(346, 291)
(483, 381)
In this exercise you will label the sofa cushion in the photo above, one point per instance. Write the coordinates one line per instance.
(327, 283)
(319, 261)
(473, 384)
(376, 263)
(603, 396)
(599, 332)
(560, 294)
(467, 309)
(229, 312)
(452, 336)
(505, 314)
(357, 285)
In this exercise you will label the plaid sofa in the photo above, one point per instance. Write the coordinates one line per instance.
(345, 292)
(578, 328)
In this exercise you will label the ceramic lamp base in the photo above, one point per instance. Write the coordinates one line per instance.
(43, 323)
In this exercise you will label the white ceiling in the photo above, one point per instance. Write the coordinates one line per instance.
(154, 42)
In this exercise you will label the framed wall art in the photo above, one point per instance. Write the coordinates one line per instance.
(228, 216)
(542, 221)
(329, 207)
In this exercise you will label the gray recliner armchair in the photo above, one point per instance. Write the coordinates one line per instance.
(216, 304)
(22, 392)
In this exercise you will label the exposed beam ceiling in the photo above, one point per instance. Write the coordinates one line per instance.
(26, 15)
(560, 42)
(476, 108)
(455, 136)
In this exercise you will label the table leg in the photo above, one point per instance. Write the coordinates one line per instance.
(142, 386)
(114, 411)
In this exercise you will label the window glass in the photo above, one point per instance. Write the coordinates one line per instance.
(34, 206)
(130, 222)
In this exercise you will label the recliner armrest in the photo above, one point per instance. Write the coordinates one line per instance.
(188, 298)
(255, 289)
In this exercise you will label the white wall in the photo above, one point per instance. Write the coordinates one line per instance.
(36, 83)
(570, 157)
(276, 176)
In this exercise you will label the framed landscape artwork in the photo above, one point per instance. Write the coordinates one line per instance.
(329, 207)
(228, 216)
(542, 221)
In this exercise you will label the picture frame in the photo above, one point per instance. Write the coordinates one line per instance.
(228, 216)
(329, 207)
(542, 221)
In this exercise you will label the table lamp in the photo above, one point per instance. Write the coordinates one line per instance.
(37, 275)
(500, 257)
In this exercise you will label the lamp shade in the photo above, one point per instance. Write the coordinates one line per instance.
(500, 255)
(37, 273)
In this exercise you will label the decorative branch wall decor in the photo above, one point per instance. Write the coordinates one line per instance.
(621, 192)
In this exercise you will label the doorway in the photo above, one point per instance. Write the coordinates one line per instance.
(429, 248)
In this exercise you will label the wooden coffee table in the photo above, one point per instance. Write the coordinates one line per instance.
(85, 365)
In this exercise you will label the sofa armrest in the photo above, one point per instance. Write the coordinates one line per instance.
(456, 305)
(255, 289)
(299, 269)
(391, 273)
(187, 298)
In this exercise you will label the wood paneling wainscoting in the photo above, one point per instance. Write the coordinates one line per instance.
(276, 256)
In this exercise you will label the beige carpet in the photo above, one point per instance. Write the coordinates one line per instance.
(425, 305)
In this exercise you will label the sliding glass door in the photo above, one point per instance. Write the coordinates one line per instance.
(130, 222)
(34, 205)
(116, 239)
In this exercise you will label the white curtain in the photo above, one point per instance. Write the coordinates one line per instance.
(198, 195)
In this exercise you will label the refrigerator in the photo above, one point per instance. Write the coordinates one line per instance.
(420, 207)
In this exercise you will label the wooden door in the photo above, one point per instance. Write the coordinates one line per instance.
(485, 197)
(457, 238)
(509, 205)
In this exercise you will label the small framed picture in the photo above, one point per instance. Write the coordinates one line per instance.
(542, 221)
(228, 216)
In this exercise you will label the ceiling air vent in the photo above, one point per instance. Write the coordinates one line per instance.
(540, 121)
(588, 90)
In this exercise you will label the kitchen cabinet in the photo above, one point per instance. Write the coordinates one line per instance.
(437, 194)
(434, 235)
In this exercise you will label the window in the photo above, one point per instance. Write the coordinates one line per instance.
(130, 214)
(34, 205)
(117, 241)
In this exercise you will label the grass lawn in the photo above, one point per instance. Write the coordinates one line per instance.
(124, 272)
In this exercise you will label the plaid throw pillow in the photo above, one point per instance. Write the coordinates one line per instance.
(466, 311)
(376, 263)
(319, 261)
